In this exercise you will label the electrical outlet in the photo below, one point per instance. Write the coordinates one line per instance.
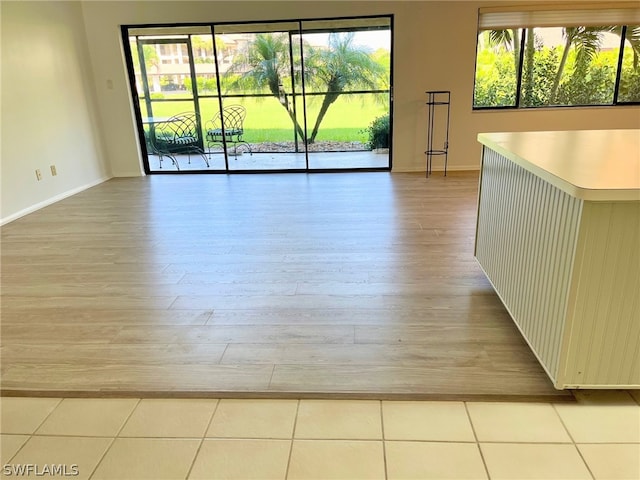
(38, 174)
(54, 172)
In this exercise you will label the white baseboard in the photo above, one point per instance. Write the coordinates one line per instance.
(458, 168)
(52, 200)
(126, 174)
(440, 168)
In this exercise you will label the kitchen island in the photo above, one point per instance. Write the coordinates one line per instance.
(558, 236)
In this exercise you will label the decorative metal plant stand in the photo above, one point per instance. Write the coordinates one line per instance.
(437, 98)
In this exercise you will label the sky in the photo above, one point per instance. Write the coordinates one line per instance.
(371, 39)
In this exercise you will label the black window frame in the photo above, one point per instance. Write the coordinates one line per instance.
(518, 106)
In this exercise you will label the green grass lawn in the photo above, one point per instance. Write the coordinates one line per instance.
(268, 121)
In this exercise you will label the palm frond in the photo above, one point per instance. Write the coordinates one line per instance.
(587, 42)
(344, 65)
(633, 37)
(264, 64)
(501, 38)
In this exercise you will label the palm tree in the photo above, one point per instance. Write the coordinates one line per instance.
(510, 39)
(265, 65)
(340, 66)
(633, 37)
(586, 41)
(527, 74)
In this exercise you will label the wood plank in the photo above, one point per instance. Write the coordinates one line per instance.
(415, 356)
(125, 379)
(105, 302)
(109, 354)
(57, 334)
(101, 316)
(361, 316)
(445, 335)
(149, 288)
(433, 381)
(487, 303)
(284, 334)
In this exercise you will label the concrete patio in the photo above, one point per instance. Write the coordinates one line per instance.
(274, 161)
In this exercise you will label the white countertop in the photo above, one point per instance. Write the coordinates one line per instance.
(596, 165)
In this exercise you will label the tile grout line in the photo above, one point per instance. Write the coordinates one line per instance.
(151, 437)
(293, 436)
(477, 442)
(46, 418)
(113, 440)
(128, 417)
(19, 450)
(106, 451)
(384, 443)
(573, 441)
(202, 439)
(562, 422)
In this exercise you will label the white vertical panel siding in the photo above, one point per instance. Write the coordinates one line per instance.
(604, 322)
(525, 242)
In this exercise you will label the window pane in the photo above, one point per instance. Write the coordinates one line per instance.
(569, 66)
(630, 75)
(341, 129)
(205, 65)
(346, 60)
(497, 60)
(255, 58)
(162, 111)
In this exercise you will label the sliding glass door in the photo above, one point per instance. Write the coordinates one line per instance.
(275, 96)
(348, 92)
(174, 78)
(260, 75)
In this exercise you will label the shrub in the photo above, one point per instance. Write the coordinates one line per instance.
(378, 132)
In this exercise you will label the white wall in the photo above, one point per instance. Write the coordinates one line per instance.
(434, 50)
(48, 107)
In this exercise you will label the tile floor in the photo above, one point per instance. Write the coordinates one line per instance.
(597, 437)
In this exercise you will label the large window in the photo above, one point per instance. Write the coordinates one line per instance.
(545, 58)
(295, 95)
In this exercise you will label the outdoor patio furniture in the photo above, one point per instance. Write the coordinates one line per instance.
(177, 135)
(230, 130)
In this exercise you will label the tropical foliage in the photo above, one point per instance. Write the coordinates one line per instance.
(330, 71)
(579, 72)
(378, 133)
(338, 68)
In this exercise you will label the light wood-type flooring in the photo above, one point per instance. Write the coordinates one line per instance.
(355, 285)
